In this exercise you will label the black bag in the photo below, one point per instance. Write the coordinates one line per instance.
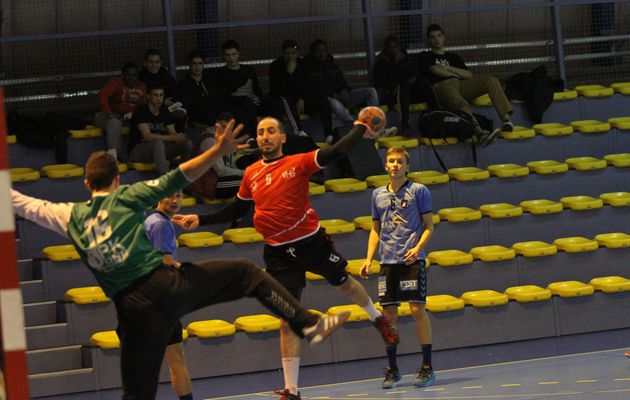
(440, 124)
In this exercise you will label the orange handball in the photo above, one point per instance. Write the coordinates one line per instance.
(373, 118)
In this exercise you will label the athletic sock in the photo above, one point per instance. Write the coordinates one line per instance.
(291, 371)
(372, 311)
(426, 354)
(391, 357)
(188, 396)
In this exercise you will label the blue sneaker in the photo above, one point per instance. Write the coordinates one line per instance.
(424, 378)
(392, 376)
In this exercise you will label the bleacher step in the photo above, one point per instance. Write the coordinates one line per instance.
(32, 291)
(25, 269)
(47, 336)
(41, 313)
(54, 360)
(62, 382)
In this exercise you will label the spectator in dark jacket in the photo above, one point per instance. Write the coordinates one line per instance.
(153, 73)
(238, 84)
(395, 79)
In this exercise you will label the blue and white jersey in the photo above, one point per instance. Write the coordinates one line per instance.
(400, 215)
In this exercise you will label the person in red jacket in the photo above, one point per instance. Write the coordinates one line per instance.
(119, 98)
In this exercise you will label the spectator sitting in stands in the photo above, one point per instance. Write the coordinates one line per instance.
(238, 84)
(119, 98)
(153, 73)
(153, 138)
(455, 85)
(396, 81)
(198, 94)
(324, 77)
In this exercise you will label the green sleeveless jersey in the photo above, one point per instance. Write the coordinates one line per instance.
(108, 231)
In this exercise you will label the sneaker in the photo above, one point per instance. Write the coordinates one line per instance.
(388, 331)
(286, 395)
(388, 132)
(302, 134)
(176, 110)
(487, 137)
(325, 326)
(424, 378)
(507, 126)
(392, 376)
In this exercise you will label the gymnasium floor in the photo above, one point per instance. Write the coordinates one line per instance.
(578, 367)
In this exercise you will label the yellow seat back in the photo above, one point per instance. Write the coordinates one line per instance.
(576, 244)
(611, 284)
(591, 126)
(86, 295)
(65, 252)
(586, 163)
(356, 313)
(542, 206)
(257, 323)
(535, 249)
(200, 239)
(449, 258)
(428, 177)
(508, 170)
(345, 185)
(459, 214)
(580, 203)
(468, 174)
(242, 235)
(614, 240)
(553, 129)
(492, 253)
(337, 226)
(571, 289)
(501, 210)
(484, 298)
(212, 328)
(546, 167)
(528, 293)
(444, 303)
(616, 199)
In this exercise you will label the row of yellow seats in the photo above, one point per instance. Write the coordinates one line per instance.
(439, 303)
(582, 90)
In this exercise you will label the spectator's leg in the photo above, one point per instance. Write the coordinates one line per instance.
(481, 84)
(158, 153)
(449, 96)
(181, 150)
(339, 110)
(363, 97)
(113, 131)
(319, 104)
(404, 99)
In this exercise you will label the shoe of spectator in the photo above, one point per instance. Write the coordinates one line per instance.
(329, 139)
(487, 137)
(176, 110)
(388, 132)
(302, 134)
(392, 376)
(388, 331)
(325, 326)
(507, 126)
(425, 377)
(286, 395)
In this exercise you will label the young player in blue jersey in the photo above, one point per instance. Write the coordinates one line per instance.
(402, 226)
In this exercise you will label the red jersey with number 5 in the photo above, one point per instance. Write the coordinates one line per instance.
(279, 189)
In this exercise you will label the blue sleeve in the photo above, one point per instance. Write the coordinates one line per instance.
(423, 198)
(161, 234)
(375, 214)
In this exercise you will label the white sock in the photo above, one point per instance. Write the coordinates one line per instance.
(372, 311)
(291, 370)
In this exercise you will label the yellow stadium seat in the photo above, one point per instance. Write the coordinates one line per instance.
(23, 174)
(501, 210)
(518, 133)
(125, 130)
(322, 145)
(611, 284)
(580, 203)
(553, 129)
(616, 199)
(58, 171)
(90, 131)
(459, 214)
(615, 240)
(377, 180)
(105, 340)
(621, 123)
(418, 106)
(620, 160)
(566, 95)
(188, 201)
(484, 298)
(469, 174)
(492, 253)
(436, 219)
(483, 100)
(403, 310)
(65, 252)
(313, 277)
(122, 167)
(508, 170)
(345, 185)
(576, 244)
(200, 239)
(364, 222)
(142, 167)
(428, 177)
(356, 313)
(545, 167)
(257, 323)
(438, 141)
(449, 258)
(11, 139)
(591, 126)
(385, 108)
(216, 202)
(586, 163)
(542, 206)
(444, 303)
(535, 249)
(571, 289)
(528, 293)
(242, 235)
(354, 267)
(621, 87)
(337, 226)
(397, 141)
(86, 295)
(315, 190)
(594, 91)
(211, 328)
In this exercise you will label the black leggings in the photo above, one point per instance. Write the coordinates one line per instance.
(151, 307)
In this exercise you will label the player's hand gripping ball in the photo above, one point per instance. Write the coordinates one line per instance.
(373, 118)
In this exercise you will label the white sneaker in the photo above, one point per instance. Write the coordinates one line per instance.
(388, 132)
(302, 134)
(325, 326)
(177, 110)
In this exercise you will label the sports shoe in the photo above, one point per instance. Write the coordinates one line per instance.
(392, 376)
(176, 110)
(388, 331)
(424, 378)
(325, 326)
(286, 395)
(387, 132)
(487, 137)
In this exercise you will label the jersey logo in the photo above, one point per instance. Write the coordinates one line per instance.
(334, 258)
(289, 173)
(291, 250)
(382, 286)
(153, 182)
(409, 285)
(403, 203)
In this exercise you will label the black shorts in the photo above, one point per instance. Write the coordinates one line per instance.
(400, 282)
(288, 263)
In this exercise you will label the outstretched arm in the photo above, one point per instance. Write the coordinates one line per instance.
(236, 209)
(54, 216)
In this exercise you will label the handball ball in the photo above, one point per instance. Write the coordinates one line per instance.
(374, 118)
